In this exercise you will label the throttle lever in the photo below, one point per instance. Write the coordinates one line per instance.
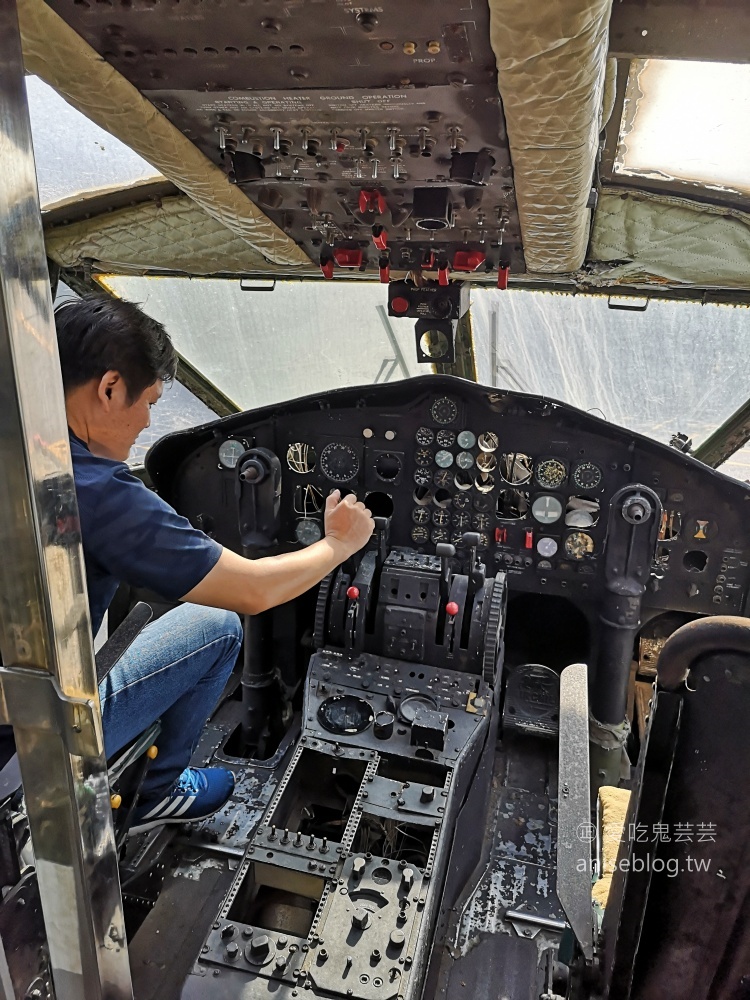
(446, 552)
(382, 526)
(471, 540)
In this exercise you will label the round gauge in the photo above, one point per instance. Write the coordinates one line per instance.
(461, 501)
(484, 483)
(424, 436)
(463, 481)
(445, 439)
(230, 452)
(444, 411)
(546, 547)
(551, 473)
(441, 518)
(443, 459)
(339, 462)
(587, 476)
(420, 515)
(488, 441)
(422, 495)
(466, 439)
(388, 467)
(457, 539)
(420, 535)
(483, 503)
(547, 510)
(345, 715)
(486, 462)
(464, 459)
(423, 456)
(440, 535)
(578, 545)
(484, 540)
(407, 710)
(443, 479)
(308, 531)
(423, 477)
(462, 520)
(481, 522)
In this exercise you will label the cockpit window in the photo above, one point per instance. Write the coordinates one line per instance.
(73, 156)
(674, 367)
(687, 121)
(177, 409)
(262, 347)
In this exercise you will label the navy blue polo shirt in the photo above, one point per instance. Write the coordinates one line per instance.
(131, 535)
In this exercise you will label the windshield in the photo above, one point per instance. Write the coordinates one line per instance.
(675, 367)
(262, 347)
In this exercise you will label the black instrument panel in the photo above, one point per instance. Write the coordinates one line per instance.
(440, 456)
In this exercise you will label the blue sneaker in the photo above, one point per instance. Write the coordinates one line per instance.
(199, 792)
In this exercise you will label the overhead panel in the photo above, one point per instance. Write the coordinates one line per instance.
(373, 136)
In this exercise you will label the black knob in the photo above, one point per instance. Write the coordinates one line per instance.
(383, 725)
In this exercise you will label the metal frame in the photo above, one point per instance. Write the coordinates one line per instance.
(45, 632)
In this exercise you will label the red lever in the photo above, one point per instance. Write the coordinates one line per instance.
(385, 271)
(347, 257)
(380, 237)
(352, 593)
(502, 275)
(468, 260)
(443, 275)
(326, 266)
(501, 536)
(371, 201)
(528, 541)
(451, 608)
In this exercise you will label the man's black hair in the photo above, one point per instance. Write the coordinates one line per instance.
(97, 334)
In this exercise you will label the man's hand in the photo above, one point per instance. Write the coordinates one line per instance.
(251, 586)
(348, 521)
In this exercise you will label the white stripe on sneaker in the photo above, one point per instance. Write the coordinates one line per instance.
(186, 806)
(152, 812)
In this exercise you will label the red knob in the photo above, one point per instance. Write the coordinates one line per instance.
(528, 542)
(451, 608)
(502, 275)
(399, 304)
(501, 535)
(353, 593)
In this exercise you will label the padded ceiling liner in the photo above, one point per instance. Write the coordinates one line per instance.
(551, 60)
(171, 234)
(656, 239)
(54, 52)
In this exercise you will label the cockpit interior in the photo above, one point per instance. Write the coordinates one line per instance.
(498, 753)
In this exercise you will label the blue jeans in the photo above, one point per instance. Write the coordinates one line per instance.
(174, 671)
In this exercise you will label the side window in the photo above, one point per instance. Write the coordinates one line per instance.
(177, 409)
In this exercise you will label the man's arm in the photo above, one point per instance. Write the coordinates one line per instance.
(250, 586)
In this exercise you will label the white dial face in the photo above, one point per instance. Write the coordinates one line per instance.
(466, 439)
(547, 509)
(464, 460)
(230, 452)
(443, 459)
(546, 547)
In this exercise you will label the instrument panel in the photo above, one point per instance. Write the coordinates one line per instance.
(440, 457)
